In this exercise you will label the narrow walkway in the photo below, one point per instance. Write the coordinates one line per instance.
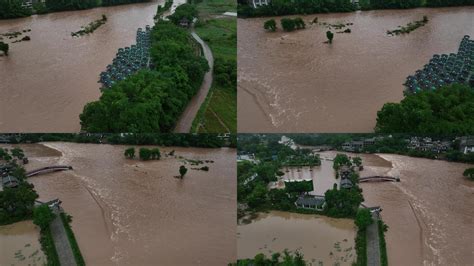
(61, 242)
(187, 117)
(373, 243)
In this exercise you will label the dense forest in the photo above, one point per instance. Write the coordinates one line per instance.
(163, 139)
(286, 7)
(151, 100)
(14, 8)
(448, 110)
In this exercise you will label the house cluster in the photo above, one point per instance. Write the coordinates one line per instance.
(311, 202)
(8, 181)
(250, 157)
(427, 144)
(359, 145)
(466, 144)
(258, 3)
(344, 173)
(29, 3)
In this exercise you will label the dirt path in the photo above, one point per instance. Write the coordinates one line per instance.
(187, 117)
(61, 242)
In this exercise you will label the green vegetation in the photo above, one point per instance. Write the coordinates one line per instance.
(47, 245)
(162, 139)
(362, 221)
(282, 7)
(182, 171)
(184, 11)
(343, 202)
(330, 36)
(469, 173)
(43, 216)
(289, 24)
(288, 259)
(91, 27)
(409, 27)
(219, 112)
(149, 154)
(270, 25)
(16, 204)
(130, 153)
(4, 47)
(383, 246)
(448, 110)
(67, 219)
(161, 9)
(151, 100)
(341, 160)
(361, 247)
(13, 9)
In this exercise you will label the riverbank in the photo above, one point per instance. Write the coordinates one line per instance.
(218, 113)
(303, 8)
(16, 9)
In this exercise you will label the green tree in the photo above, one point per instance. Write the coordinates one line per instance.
(182, 171)
(4, 47)
(130, 153)
(445, 111)
(363, 218)
(270, 25)
(258, 196)
(340, 160)
(155, 154)
(18, 153)
(469, 173)
(184, 11)
(288, 24)
(145, 154)
(330, 36)
(43, 216)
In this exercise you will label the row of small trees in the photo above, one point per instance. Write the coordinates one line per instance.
(288, 24)
(145, 154)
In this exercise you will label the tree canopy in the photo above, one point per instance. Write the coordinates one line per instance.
(447, 110)
(151, 100)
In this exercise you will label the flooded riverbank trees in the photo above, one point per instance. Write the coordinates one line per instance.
(151, 100)
(282, 7)
(13, 9)
(4, 47)
(445, 111)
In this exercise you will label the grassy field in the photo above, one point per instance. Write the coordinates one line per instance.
(219, 112)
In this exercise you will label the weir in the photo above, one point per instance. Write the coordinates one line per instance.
(48, 169)
(379, 179)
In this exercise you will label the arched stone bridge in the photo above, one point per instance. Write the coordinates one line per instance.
(48, 169)
(378, 178)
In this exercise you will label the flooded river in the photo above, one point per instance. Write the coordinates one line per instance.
(47, 81)
(319, 238)
(19, 245)
(430, 212)
(291, 82)
(130, 212)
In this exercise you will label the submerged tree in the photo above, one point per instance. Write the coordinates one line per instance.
(330, 36)
(270, 25)
(4, 47)
(130, 153)
(182, 171)
(43, 216)
(469, 173)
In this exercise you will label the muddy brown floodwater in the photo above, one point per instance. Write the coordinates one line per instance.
(429, 213)
(319, 238)
(46, 82)
(19, 244)
(129, 212)
(292, 82)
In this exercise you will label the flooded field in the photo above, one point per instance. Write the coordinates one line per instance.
(49, 79)
(323, 176)
(319, 238)
(130, 212)
(429, 212)
(292, 82)
(19, 245)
